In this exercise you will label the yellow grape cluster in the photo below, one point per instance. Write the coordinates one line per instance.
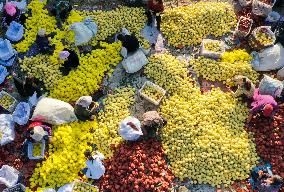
(205, 140)
(264, 38)
(213, 70)
(111, 22)
(40, 67)
(152, 92)
(6, 101)
(116, 108)
(170, 73)
(66, 155)
(82, 187)
(213, 46)
(39, 19)
(86, 79)
(188, 25)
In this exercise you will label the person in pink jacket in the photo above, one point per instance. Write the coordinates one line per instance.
(262, 103)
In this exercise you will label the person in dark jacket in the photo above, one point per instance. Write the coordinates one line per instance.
(61, 11)
(43, 42)
(130, 42)
(71, 61)
(85, 108)
(12, 13)
(155, 8)
(27, 87)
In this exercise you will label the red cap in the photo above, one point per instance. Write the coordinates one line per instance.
(34, 124)
(267, 110)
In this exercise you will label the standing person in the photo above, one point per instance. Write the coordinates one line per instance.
(271, 184)
(85, 108)
(27, 87)
(262, 103)
(71, 61)
(155, 8)
(245, 86)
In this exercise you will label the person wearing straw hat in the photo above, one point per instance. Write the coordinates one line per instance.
(43, 42)
(71, 61)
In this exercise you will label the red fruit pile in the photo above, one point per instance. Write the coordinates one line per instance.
(244, 24)
(269, 138)
(137, 167)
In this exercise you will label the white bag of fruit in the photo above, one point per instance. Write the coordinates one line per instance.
(270, 86)
(54, 112)
(7, 132)
(280, 74)
(130, 129)
(271, 58)
(245, 3)
(134, 62)
(264, 35)
(212, 48)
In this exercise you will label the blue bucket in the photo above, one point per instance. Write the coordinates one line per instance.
(272, 17)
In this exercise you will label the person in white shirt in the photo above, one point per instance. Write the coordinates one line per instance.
(95, 168)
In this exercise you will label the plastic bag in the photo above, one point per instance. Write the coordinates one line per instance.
(7, 132)
(3, 73)
(22, 113)
(82, 33)
(91, 25)
(270, 86)
(273, 17)
(8, 175)
(54, 112)
(123, 52)
(127, 132)
(49, 190)
(134, 62)
(280, 74)
(22, 5)
(33, 100)
(66, 188)
(15, 31)
(95, 168)
(271, 58)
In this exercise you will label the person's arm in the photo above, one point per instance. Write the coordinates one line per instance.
(238, 92)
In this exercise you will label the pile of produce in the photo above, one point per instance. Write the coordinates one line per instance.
(116, 108)
(244, 25)
(86, 79)
(204, 138)
(41, 68)
(169, 73)
(80, 186)
(36, 149)
(232, 64)
(264, 37)
(269, 140)
(66, 155)
(188, 25)
(137, 167)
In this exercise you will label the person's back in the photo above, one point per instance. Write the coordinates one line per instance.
(131, 43)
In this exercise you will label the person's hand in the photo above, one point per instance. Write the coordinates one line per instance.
(260, 173)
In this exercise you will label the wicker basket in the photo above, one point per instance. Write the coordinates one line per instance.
(244, 33)
(155, 102)
(212, 54)
(30, 151)
(14, 103)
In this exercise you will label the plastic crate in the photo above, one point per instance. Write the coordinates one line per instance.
(261, 9)
(155, 102)
(244, 33)
(30, 151)
(245, 3)
(212, 54)
(12, 106)
(91, 188)
(16, 188)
